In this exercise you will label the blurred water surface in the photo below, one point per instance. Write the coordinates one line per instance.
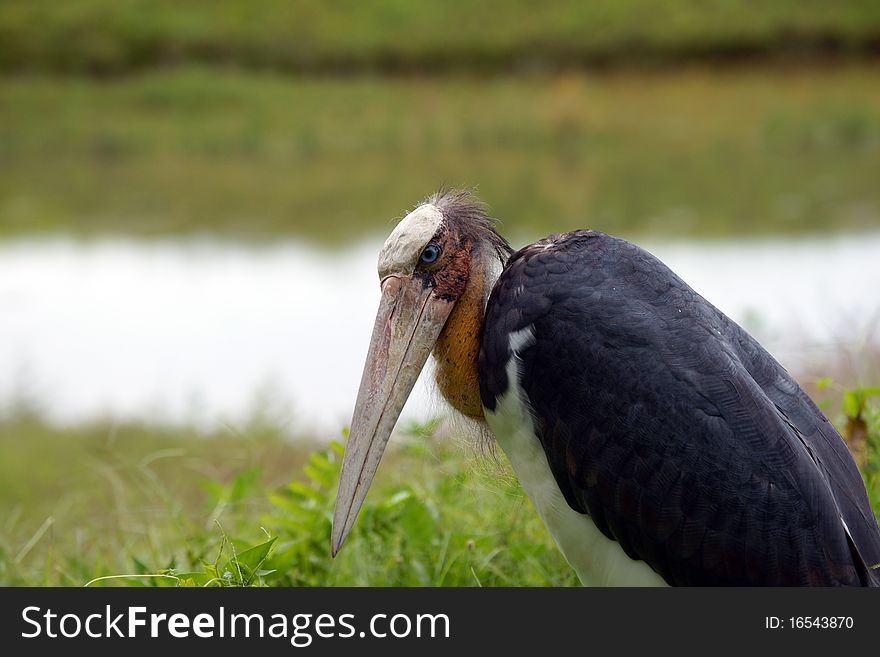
(207, 332)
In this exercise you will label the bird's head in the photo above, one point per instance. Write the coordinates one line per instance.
(424, 267)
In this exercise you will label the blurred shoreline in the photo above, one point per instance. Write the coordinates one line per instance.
(685, 153)
(395, 37)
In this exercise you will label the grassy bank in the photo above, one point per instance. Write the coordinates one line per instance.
(114, 36)
(696, 152)
(100, 499)
(249, 506)
(103, 500)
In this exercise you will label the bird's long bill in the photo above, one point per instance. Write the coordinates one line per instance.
(408, 323)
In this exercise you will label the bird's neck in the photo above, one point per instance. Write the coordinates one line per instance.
(458, 346)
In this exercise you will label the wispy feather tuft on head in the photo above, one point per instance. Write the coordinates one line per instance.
(470, 216)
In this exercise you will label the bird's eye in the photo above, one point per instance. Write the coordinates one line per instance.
(430, 254)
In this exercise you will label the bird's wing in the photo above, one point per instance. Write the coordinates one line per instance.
(667, 423)
(822, 441)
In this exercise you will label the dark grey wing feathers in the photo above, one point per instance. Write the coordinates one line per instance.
(666, 422)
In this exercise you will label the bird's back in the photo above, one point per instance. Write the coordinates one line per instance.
(662, 419)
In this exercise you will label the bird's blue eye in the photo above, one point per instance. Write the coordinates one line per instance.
(430, 254)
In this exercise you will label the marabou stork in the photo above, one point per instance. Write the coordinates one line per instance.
(658, 441)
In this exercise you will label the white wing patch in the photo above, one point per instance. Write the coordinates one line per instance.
(521, 340)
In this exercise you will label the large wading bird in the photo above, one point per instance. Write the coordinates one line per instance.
(658, 441)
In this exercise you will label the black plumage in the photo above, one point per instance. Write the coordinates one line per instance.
(668, 424)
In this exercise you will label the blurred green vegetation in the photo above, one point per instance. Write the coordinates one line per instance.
(114, 36)
(697, 152)
(96, 499)
(101, 500)
(250, 506)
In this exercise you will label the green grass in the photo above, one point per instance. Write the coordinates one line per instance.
(99, 501)
(695, 152)
(136, 505)
(113, 36)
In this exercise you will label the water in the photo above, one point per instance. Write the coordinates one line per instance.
(201, 331)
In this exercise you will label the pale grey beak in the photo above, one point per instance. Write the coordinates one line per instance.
(408, 323)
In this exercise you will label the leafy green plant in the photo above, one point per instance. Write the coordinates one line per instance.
(229, 568)
(862, 430)
(855, 401)
(240, 569)
(301, 516)
(442, 521)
